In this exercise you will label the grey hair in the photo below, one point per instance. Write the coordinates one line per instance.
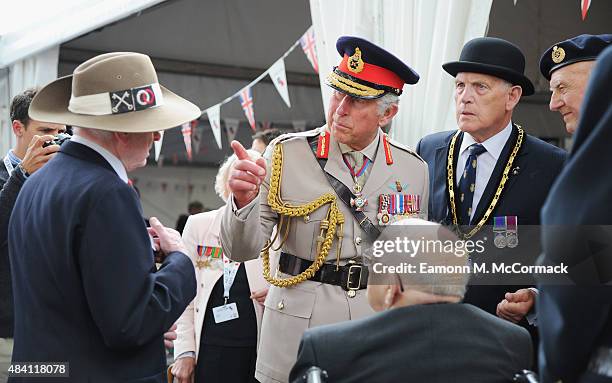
(385, 102)
(223, 174)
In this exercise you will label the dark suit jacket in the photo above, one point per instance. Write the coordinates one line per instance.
(446, 342)
(10, 184)
(576, 319)
(85, 285)
(538, 164)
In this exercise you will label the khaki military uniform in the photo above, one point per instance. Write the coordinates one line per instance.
(290, 311)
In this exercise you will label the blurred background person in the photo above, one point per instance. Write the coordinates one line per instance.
(262, 138)
(421, 325)
(212, 348)
(194, 207)
(19, 163)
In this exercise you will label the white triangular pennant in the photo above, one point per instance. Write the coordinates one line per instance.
(196, 136)
(231, 128)
(158, 145)
(279, 78)
(514, 2)
(214, 113)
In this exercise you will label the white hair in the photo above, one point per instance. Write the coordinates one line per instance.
(385, 102)
(100, 135)
(223, 174)
(442, 284)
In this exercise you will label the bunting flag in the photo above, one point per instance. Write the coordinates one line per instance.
(186, 130)
(231, 128)
(246, 101)
(307, 41)
(279, 78)
(299, 125)
(196, 136)
(514, 2)
(584, 6)
(214, 113)
(158, 145)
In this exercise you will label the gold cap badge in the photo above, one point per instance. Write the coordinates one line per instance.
(558, 54)
(355, 63)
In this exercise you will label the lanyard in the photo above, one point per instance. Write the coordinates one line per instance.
(9, 165)
(230, 269)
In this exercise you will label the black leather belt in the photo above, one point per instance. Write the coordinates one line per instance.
(352, 276)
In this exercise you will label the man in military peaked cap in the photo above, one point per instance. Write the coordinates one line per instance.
(328, 191)
(567, 65)
(489, 178)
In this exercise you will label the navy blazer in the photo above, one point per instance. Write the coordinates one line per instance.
(537, 165)
(85, 284)
(433, 343)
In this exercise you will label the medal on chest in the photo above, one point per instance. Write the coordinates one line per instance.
(207, 255)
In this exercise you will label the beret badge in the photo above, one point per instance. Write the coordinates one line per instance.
(355, 62)
(558, 54)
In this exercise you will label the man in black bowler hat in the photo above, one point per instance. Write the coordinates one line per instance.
(497, 176)
(567, 65)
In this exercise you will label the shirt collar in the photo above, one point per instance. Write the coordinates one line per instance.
(13, 157)
(108, 156)
(369, 151)
(494, 145)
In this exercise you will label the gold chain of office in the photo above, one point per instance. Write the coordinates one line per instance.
(333, 220)
(451, 183)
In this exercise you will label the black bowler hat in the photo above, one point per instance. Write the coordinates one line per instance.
(495, 57)
(570, 51)
(368, 71)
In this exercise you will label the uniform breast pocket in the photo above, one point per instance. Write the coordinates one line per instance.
(303, 233)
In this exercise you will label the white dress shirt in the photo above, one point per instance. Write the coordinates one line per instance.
(486, 161)
(108, 156)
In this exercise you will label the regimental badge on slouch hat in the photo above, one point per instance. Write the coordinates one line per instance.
(367, 71)
(570, 51)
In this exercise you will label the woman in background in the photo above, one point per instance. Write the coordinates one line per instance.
(217, 335)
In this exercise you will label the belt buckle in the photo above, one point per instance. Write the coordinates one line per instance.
(349, 286)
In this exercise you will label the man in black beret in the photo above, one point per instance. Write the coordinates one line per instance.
(575, 318)
(567, 65)
(490, 178)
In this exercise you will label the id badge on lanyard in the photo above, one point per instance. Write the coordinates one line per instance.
(8, 165)
(227, 312)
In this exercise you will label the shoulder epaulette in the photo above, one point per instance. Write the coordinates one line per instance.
(403, 147)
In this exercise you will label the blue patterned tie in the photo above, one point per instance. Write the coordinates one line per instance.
(467, 183)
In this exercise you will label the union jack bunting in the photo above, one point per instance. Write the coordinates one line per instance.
(584, 6)
(246, 101)
(186, 130)
(307, 41)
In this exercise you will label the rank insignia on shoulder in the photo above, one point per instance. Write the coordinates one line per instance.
(387, 148)
(395, 207)
(323, 145)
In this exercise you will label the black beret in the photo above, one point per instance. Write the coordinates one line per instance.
(570, 51)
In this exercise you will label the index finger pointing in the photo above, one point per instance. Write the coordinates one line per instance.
(239, 150)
